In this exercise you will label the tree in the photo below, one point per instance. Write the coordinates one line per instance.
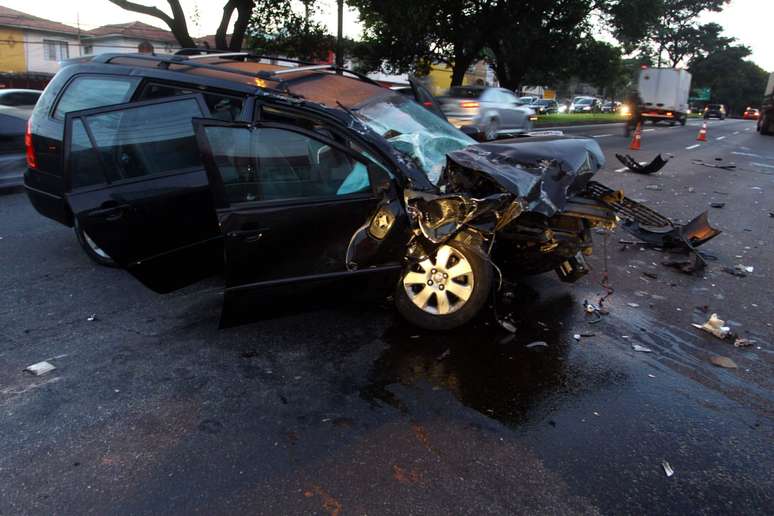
(277, 27)
(177, 23)
(410, 34)
(665, 30)
(537, 41)
(734, 81)
(601, 65)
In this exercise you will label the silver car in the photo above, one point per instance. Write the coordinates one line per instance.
(491, 111)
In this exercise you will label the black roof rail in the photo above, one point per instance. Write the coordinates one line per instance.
(164, 61)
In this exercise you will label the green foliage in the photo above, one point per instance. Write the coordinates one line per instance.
(734, 81)
(277, 27)
(601, 65)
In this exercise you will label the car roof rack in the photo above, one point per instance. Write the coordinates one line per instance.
(189, 59)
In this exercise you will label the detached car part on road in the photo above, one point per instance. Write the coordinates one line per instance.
(181, 167)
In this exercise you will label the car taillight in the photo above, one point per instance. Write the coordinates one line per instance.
(669, 113)
(32, 160)
(469, 104)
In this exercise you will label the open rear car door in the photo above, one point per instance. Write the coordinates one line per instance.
(137, 187)
(424, 97)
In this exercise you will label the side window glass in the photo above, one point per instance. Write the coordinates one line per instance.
(146, 140)
(222, 107)
(263, 164)
(84, 165)
(89, 91)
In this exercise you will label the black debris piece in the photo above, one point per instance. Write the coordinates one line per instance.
(633, 165)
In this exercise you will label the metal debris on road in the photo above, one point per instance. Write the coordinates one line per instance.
(723, 362)
(537, 344)
(40, 368)
(633, 305)
(577, 336)
(642, 349)
(653, 187)
(92, 317)
(667, 468)
(729, 166)
(741, 342)
(715, 326)
(717, 204)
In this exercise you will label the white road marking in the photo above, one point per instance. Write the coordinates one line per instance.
(748, 154)
(720, 138)
(736, 132)
(601, 135)
(746, 128)
(693, 146)
(761, 165)
(621, 169)
(647, 130)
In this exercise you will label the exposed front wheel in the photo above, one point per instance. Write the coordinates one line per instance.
(91, 249)
(445, 291)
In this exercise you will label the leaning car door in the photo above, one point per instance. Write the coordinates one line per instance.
(424, 97)
(290, 204)
(138, 189)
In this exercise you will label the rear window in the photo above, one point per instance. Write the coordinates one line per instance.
(465, 93)
(87, 92)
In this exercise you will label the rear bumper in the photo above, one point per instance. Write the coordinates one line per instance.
(462, 121)
(662, 115)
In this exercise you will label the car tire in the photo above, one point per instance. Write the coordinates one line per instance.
(764, 127)
(490, 131)
(91, 249)
(469, 277)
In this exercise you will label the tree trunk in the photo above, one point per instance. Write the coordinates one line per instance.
(244, 11)
(458, 71)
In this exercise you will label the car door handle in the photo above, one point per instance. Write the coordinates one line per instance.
(248, 236)
(110, 211)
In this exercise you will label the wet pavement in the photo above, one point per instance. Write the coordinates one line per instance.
(346, 410)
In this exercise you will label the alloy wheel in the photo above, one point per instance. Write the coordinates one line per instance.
(94, 247)
(440, 285)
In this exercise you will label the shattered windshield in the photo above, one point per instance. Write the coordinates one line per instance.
(415, 131)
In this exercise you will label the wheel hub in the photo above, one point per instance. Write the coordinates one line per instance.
(440, 285)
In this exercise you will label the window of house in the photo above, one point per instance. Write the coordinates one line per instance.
(55, 50)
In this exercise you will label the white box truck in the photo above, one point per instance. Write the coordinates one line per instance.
(664, 93)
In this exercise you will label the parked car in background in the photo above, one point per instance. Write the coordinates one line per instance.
(563, 105)
(486, 110)
(544, 106)
(19, 98)
(13, 125)
(751, 114)
(528, 99)
(585, 105)
(611, 106)
(715, 111)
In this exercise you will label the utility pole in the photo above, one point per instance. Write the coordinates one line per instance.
(340, 36)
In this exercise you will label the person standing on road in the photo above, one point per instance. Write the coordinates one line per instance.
(634, 101)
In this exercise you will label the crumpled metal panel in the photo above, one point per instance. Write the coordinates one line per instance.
(543, 173)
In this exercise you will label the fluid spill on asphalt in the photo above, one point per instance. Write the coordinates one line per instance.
(487, 368)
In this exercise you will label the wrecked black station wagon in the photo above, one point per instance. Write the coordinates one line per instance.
(278, 175)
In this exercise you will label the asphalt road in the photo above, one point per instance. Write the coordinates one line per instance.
(346, 410)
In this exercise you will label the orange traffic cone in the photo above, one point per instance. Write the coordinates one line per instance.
(702, 133)
(635, 145)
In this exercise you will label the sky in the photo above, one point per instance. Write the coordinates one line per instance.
(750, 21)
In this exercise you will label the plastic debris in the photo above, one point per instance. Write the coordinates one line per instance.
(642, 349)
(507, 325)
(667, 468)
(653, 187)
(723, 362)
(577, 336)
(92, 318)
(537, 344)
(714, 326)
(633, 305)
(649, 168)
(741, 342)
(739, 270)
(40, 368)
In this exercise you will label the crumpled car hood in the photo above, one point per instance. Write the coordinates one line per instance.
(542, 172)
